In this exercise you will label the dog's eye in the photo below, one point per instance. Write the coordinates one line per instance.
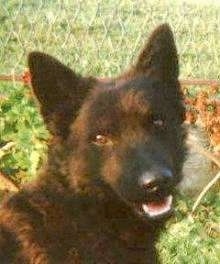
(102, 140)
(158, 122)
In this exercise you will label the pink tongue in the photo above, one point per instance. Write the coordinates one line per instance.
(154, 206)
(158, 207)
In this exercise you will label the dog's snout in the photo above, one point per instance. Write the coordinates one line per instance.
(152, 180)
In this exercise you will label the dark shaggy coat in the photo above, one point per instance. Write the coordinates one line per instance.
(117, 144)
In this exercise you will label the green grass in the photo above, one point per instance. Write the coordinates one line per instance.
(102, 38)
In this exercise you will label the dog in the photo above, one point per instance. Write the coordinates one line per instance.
(115, 155)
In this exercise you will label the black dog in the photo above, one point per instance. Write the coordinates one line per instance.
(115, 155)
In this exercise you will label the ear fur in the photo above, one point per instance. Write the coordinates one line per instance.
(58, 89)
(159, 56)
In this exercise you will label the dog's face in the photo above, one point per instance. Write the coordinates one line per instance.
(126, 131)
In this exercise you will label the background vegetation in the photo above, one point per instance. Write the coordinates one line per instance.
(101, 38)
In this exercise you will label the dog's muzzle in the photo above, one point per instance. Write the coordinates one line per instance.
(156, 185)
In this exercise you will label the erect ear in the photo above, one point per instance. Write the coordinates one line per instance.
(159, 56)
(58, 89)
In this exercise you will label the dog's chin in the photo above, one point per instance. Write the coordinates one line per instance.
(156, 209)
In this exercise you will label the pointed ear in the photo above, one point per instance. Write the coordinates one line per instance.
(58, 89)
(159, 56)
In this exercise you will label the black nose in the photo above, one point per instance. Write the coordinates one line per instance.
(152, 180)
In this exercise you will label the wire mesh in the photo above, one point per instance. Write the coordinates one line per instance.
(102, 37)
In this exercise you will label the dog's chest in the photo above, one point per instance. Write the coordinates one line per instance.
(100, 240)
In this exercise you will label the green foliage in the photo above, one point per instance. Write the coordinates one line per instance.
(101, 38)
(192, 238)
(21, 124)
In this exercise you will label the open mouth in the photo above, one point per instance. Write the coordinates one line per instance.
(157, 209)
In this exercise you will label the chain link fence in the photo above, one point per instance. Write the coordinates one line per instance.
(103, 36)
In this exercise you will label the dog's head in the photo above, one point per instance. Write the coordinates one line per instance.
(125, 131)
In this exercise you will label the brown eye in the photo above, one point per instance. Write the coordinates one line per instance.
(102, 140)
(158, 122)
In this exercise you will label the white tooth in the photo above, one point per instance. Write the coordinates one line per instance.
(145, 208)
(169, 200)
